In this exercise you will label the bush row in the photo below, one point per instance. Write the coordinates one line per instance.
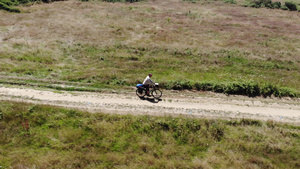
(273, 5)
(131, 1)
(292, 6)
(239, 88)
(9, 5)
(247, 88)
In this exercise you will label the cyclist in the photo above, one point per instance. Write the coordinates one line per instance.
(147, 82)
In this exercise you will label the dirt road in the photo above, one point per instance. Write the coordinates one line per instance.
(187, 103)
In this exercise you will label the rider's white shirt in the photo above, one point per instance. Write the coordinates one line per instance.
(148, 81)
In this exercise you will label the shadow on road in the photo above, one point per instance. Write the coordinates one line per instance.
(152, 100)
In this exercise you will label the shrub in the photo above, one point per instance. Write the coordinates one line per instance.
(204, 86)
(187, 85)
(219, 88)
(179, 85)
(245, 122)
(7, 5)
(269, 89)
(261, 3)
(284, 7)
(269, 4)
(243, 88)
(254, 5)
(131, 1)
(247, 88)
(291, 6)
(277, 5)
(286, 92)
(193, 1)
(230, 1)
(7, 2)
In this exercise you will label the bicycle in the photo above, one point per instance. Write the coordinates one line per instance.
(155, 92)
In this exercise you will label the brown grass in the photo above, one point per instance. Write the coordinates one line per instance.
(266, 33)
(112, 43)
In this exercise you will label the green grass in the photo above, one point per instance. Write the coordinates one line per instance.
(64, 138)
(231, 70)
(183, 45)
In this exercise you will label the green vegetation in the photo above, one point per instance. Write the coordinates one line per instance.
(45, 136)
(131, 1)
(288, 5)
(221, 71)
(292, 6)
(191, 47)
(230, 1)
(9, 5)
(247, 88)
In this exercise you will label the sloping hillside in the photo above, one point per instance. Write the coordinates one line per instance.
(183, 44)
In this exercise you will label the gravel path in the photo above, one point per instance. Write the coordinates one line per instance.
(186, 103)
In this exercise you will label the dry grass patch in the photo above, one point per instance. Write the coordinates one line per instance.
(163, 23)
(113, 43)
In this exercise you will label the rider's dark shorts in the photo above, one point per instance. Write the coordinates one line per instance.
(146, 86)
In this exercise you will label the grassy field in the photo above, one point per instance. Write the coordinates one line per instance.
(104, 44)
(203, 45)
(35, 136)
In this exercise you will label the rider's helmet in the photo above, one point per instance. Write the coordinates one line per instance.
(150, 74)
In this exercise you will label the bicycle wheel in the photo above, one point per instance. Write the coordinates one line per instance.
(140, 92)
(156, 93)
